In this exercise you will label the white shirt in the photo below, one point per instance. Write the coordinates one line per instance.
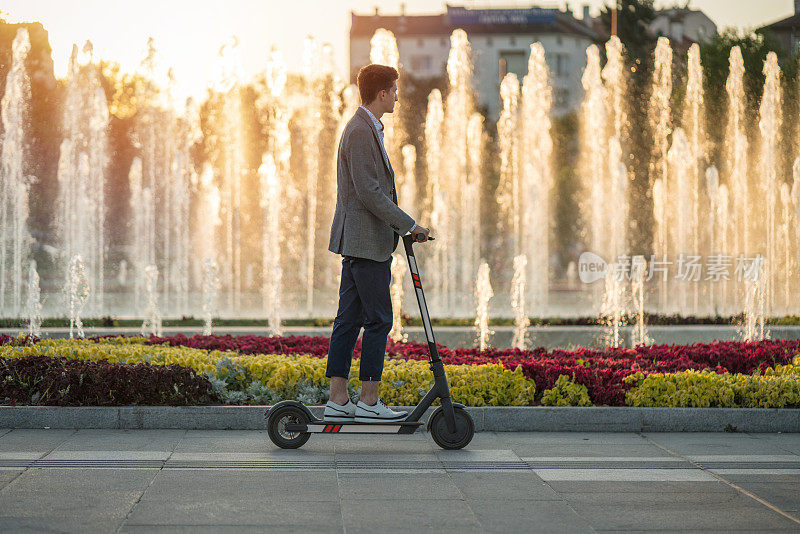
(379, 127)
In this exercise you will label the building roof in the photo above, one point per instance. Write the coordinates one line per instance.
(473, 21)
(784, 24)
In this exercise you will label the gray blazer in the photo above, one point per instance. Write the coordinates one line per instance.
(367, 222)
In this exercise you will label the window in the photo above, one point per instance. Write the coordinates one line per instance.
(420, 43)
(558, 40)
(421, 63)
(513, 61)
(560, 65)
(512, 40)
(488, 41)
(443, 41)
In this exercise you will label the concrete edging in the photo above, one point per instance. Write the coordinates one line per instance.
(489, 418)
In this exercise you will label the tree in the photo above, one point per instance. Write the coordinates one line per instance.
(633, 27)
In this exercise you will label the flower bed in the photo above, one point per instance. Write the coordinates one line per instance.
(267, 378)
(48, 381)
(263, 370)
(602, 371)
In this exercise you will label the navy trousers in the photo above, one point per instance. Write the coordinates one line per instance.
(364, 300)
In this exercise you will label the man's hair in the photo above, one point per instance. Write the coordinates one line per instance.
(373, 79)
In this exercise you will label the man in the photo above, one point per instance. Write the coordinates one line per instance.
(366, 227)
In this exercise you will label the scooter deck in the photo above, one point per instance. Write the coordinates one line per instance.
(328, 427)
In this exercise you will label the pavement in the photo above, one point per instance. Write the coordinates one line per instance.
(103, 480)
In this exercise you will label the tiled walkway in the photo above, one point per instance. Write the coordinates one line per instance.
(237, 481)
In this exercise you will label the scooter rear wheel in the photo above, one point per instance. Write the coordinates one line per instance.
(465, 429)
(276, 427)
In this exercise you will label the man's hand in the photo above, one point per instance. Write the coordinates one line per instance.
(420, 230)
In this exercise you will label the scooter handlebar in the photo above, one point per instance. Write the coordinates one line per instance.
(420, 238)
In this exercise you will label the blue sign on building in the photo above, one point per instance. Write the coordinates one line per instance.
(462, 16)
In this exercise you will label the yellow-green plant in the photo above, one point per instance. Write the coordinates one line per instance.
(566, 393)
(778, 387)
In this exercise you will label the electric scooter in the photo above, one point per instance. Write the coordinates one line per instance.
(290, 423)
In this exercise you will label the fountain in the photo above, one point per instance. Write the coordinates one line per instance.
(77, 290)
(593, 155)
(786, 244)
(661, 123)
(612, 310)
(224, 196)
(144, 232)
(717, 235)
(536, 159)
(396, 291)
(521, 321)
(34, 302)
(231, 169)
(693, 126)
(638, 274)
(769, 125)
(459, 179)
(152, 321)
(483, 293)
(211, 285)
(271, 256)
(14, 184)
(435, 207)
(755, 290)
(680, 165)
(736, 148)
(81, 173)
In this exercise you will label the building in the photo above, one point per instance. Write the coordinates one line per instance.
(683, 26)
(500, 41)
(787, 30)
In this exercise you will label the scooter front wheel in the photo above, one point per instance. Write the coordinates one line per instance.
(276, 427)
(465, 429)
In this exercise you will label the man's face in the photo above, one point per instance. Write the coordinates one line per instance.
(388, 98)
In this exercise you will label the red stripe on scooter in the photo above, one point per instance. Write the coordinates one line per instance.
(336, 428)
(328, 428)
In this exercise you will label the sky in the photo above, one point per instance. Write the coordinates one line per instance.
(189, 33)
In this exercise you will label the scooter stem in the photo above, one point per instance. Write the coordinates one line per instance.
(440, 387)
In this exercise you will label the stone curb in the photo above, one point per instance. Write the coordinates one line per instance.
(500, 419)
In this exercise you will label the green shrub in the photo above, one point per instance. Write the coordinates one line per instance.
(566, 393)
(776, 388)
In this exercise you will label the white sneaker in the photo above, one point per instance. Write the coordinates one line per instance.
(377, 413)
(340, 414)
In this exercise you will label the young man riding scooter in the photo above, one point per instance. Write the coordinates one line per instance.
(366, 227)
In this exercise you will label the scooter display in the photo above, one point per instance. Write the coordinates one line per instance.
(290, 423)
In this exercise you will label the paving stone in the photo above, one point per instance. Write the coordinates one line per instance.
(784, 495)
(34, 439)
(93, 496)
(508, 485)
(740, 512)
(396, 486)
(122, 439)
(243, 508)
(408, 515)
(520, 516)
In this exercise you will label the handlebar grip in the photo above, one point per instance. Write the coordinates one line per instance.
(420, 238)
